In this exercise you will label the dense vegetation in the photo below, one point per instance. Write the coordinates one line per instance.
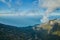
(29, 33)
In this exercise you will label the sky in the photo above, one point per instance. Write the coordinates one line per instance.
(23, 13)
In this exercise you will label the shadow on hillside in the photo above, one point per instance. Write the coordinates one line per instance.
(53, 37)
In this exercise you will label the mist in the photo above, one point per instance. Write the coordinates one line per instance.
(50, 6)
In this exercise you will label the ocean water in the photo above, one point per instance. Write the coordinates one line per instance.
(23, 21)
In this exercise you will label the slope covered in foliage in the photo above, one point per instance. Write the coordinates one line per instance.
(49, 31)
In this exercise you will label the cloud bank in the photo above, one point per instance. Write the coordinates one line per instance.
(50, 6)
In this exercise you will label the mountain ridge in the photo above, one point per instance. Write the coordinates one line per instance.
(35, 32)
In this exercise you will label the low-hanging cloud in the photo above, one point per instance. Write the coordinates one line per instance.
(50, 6)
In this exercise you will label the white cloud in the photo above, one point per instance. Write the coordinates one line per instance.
(50, 5)
(3, 1)
(7, 3)
(19, 2)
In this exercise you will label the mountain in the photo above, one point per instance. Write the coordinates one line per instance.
(8, 32)
(48, 31)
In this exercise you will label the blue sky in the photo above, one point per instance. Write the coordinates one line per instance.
(23, 4)
(23, 7)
